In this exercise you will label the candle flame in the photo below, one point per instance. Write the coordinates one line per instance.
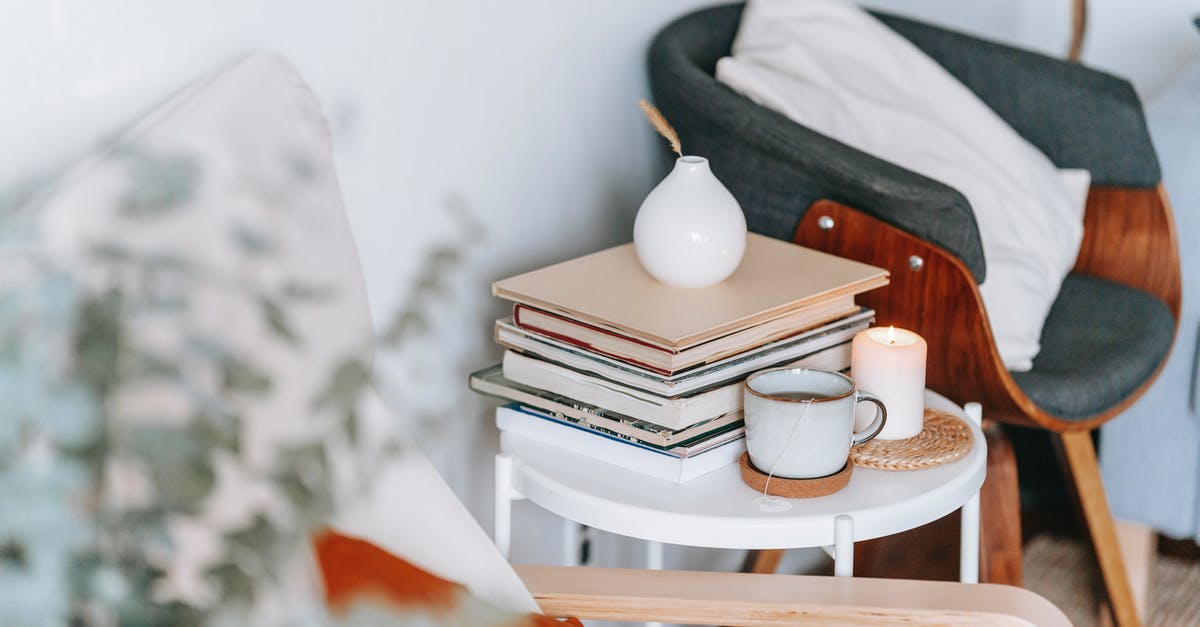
(891, 336)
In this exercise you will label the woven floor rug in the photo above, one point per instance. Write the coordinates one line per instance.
(1062, 570)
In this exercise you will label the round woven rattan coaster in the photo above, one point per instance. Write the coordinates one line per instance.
(794, 488)
(944, 438)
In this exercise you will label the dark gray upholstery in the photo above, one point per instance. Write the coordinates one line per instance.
(1079, 117)
(1101, 340)
(776, 168)
(1100, 343)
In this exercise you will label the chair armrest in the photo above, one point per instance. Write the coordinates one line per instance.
(749, 599)
(1129, 238)
(777, 168)
(1079, 117)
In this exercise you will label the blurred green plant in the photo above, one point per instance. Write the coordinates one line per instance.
(91, 489)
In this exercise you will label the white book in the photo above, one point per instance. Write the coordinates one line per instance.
(733, 368)
(614, 451)
(671, 412)
(491, 381)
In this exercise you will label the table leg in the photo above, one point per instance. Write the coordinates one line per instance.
(503, 504)
(843, 546)
(968, 563)
(571, 538)
(654, 561)
(654, 555)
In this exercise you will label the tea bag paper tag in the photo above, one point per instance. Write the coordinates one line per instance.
(772, 504)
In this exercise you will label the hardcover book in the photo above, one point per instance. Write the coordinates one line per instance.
(725, 370)
(491, 382)
(668, 362)
(609, 290)
(673, 412)
(698, 445)
(516, 426)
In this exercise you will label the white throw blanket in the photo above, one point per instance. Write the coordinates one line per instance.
(832, 67)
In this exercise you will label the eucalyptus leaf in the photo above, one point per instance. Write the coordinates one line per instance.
(160, 184)
(277, 320)
(251, 242)
(178, 461)
(405, 323)
(345, 386)
(13, 554)
(171, 263)
(147, 365)
(240, 376)
(110, 252)
(234, 583)
(306, 292)
(444, 257)
(98, 338)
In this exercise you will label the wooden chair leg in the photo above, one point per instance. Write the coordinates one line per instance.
(1000, 513)
(762, 562)
(1139, 543)
(1079, 455)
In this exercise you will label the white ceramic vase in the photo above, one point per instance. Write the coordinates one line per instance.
(690, 231)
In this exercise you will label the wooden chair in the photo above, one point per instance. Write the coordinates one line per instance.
(1114, 321)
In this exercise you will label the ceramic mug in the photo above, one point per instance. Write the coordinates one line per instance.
(792, 438)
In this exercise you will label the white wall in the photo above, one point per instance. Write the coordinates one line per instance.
(1146, 41)
(523, 112)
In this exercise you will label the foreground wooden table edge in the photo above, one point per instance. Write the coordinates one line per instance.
(749, 599)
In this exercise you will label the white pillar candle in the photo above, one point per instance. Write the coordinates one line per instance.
(890, 363)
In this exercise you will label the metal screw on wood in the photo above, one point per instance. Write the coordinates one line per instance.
(915, 263)
(825, 223)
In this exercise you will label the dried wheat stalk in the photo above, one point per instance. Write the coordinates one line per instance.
(661, 125)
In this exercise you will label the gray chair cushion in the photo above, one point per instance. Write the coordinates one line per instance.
(777, 168)
(1079, 117)
(1101, 341)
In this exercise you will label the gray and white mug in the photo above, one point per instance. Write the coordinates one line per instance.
(800, 421)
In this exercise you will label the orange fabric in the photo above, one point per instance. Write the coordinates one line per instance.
(353, 569)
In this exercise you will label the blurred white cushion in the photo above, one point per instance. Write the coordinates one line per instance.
(233, 179)
(834, 68)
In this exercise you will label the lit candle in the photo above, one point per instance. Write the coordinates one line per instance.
(890, 363)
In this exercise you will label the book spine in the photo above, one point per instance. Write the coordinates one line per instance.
(622, 454)
(588, 426)
(561, 436)
(490, 382)
(724, 371)
(613, 353)
(673, 413)
(685, 447)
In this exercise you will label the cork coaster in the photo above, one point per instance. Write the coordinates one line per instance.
(794, 488)
(944, 438)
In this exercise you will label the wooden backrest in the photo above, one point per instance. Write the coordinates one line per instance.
(1129, 238)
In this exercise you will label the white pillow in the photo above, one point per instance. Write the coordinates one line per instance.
(833, 68)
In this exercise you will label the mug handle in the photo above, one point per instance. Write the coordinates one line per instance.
(876, 425)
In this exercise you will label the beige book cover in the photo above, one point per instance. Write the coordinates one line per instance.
(609, 289)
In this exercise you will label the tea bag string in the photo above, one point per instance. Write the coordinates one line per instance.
(773, 503)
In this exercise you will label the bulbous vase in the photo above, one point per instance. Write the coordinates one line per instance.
(690, 231)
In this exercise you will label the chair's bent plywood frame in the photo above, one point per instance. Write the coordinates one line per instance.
(748, 599)
(1129, 238)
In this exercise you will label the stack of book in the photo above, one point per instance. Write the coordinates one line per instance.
(605, 361)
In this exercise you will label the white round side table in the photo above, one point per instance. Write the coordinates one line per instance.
(718, 510)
